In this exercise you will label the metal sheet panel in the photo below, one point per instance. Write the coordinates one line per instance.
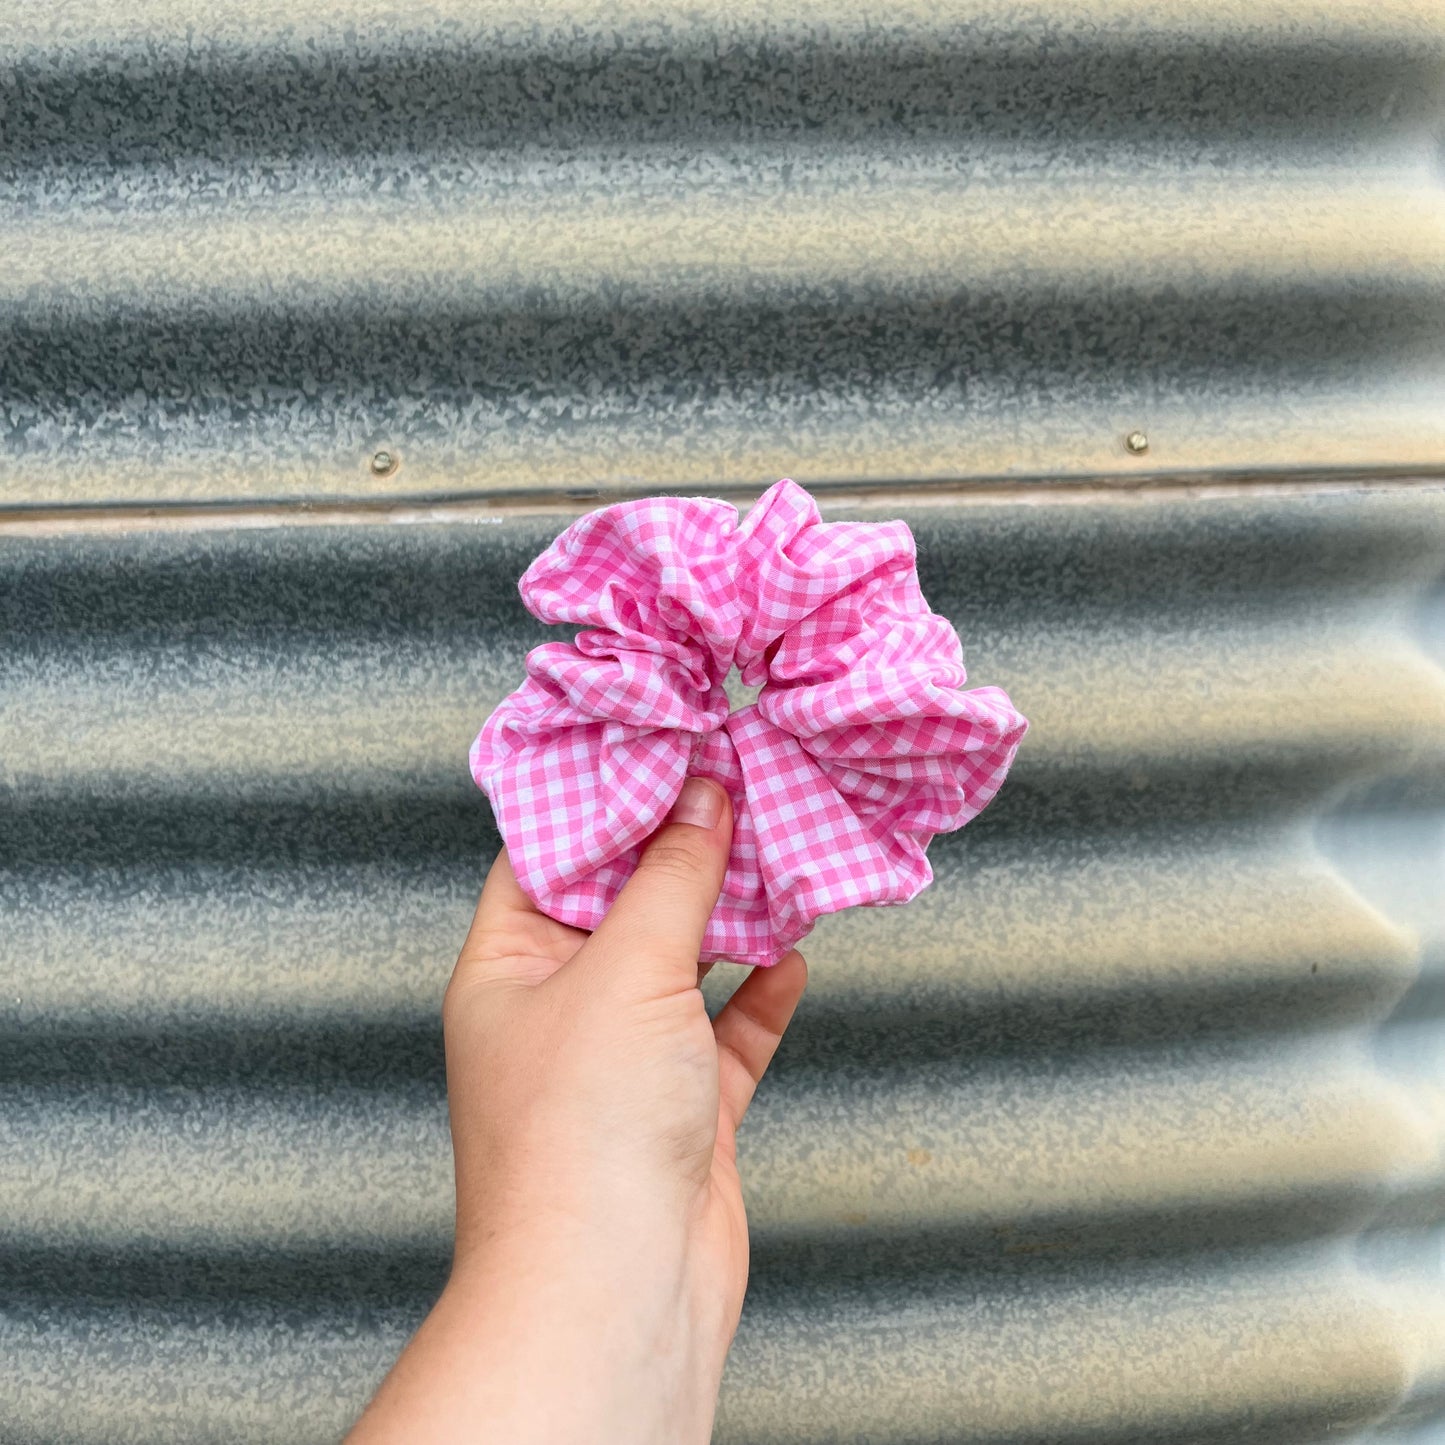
(1130, 1129)
(246, 249)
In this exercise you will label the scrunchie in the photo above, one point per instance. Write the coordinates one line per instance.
(860, 747)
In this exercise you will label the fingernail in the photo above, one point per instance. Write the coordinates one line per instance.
(699, 803)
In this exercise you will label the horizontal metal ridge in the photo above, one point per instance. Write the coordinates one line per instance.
(1209, 237)
(1139, 1354)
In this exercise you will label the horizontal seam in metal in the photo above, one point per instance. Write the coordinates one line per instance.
(481, 509)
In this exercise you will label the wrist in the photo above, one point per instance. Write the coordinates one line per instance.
(586, 1335)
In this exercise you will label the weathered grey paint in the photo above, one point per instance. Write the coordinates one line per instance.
(1130, 1129)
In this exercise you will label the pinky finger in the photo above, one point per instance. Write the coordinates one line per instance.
(750, 1026)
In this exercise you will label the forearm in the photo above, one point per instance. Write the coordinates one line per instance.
(601, 1250)
(574, 1345)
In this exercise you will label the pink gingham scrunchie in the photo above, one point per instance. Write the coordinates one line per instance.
(861, 746)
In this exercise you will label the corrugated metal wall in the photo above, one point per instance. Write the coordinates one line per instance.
(535, 247)
(1131, 1129)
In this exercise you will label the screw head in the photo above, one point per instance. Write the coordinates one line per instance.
(383, 464)
(1137, 442)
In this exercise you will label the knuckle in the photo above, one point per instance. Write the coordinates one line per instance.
(457, 999)
(673, 861)
(468, 986)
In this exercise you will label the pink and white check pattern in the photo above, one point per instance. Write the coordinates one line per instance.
(860, 748)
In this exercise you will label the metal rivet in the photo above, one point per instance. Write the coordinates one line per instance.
(383, 464)
(1137, 442)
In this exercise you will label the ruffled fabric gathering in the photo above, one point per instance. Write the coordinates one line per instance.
(861, 746)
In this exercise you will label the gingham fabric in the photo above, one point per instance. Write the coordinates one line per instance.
(860, 748)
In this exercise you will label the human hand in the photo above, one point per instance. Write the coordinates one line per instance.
(601, 1245)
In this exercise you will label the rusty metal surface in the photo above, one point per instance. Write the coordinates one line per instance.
(609, 246)
(1128, 1130)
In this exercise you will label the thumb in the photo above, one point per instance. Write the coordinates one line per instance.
(653, 933)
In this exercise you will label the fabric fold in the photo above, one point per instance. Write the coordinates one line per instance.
(861, 747)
